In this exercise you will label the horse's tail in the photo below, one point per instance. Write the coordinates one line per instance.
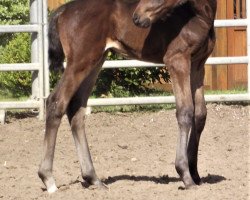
(56, 54)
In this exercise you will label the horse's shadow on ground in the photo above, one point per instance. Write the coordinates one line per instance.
(209, 179)
(158, 180)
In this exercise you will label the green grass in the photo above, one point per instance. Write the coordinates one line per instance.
(5, 99)
(7, 96)
(234, 91)
(133, 108)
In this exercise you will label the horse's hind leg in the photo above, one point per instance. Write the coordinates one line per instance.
(199, 121)
(54, 112)
(76, 115)
(77, 70)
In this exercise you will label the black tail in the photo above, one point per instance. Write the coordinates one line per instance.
(56, 54)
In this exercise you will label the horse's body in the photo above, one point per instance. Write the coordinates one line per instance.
(85, 30)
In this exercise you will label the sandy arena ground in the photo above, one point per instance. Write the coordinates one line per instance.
(133, 154)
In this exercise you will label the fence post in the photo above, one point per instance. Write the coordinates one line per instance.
(34, 48)
(36, 17)
(45, 47)
(41, 59)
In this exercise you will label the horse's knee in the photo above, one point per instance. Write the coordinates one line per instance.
(55, 107)
(185, 116)
(176, 61)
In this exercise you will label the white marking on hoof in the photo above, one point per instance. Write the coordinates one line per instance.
(52, 189)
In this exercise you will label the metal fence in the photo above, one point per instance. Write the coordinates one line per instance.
(39, 65)
(37, 28)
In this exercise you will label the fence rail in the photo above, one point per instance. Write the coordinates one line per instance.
(163, 100)
(20, 28)
(20, 67)
(222, 23)
(141, 64)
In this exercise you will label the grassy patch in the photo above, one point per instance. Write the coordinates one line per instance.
(234, 91)
(7, 96)
(133, 108)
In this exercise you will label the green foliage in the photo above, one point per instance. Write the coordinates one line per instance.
(54, 77)
(14, 12)
(123, 82)
(16, 51)
(14, 48)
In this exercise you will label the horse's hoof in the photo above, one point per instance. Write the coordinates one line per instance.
(52, 189)
(191, 186)
(99, 184)
(197, 179)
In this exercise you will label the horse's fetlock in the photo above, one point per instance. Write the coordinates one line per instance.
(90, 176)
(43, 174)
(89, 179)
(180, 166)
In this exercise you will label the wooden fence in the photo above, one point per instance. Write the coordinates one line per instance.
(53, 4)
(230, 42)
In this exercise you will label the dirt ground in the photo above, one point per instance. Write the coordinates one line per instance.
(133, 154)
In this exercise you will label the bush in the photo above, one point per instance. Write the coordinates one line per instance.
(124, 82)
(16, 51)
(13, 12)
(14, 48)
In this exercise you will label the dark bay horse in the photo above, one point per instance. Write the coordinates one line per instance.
(178, 33)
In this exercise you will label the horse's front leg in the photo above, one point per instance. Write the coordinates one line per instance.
(179, 67)
(197, 128)
(76, 115)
